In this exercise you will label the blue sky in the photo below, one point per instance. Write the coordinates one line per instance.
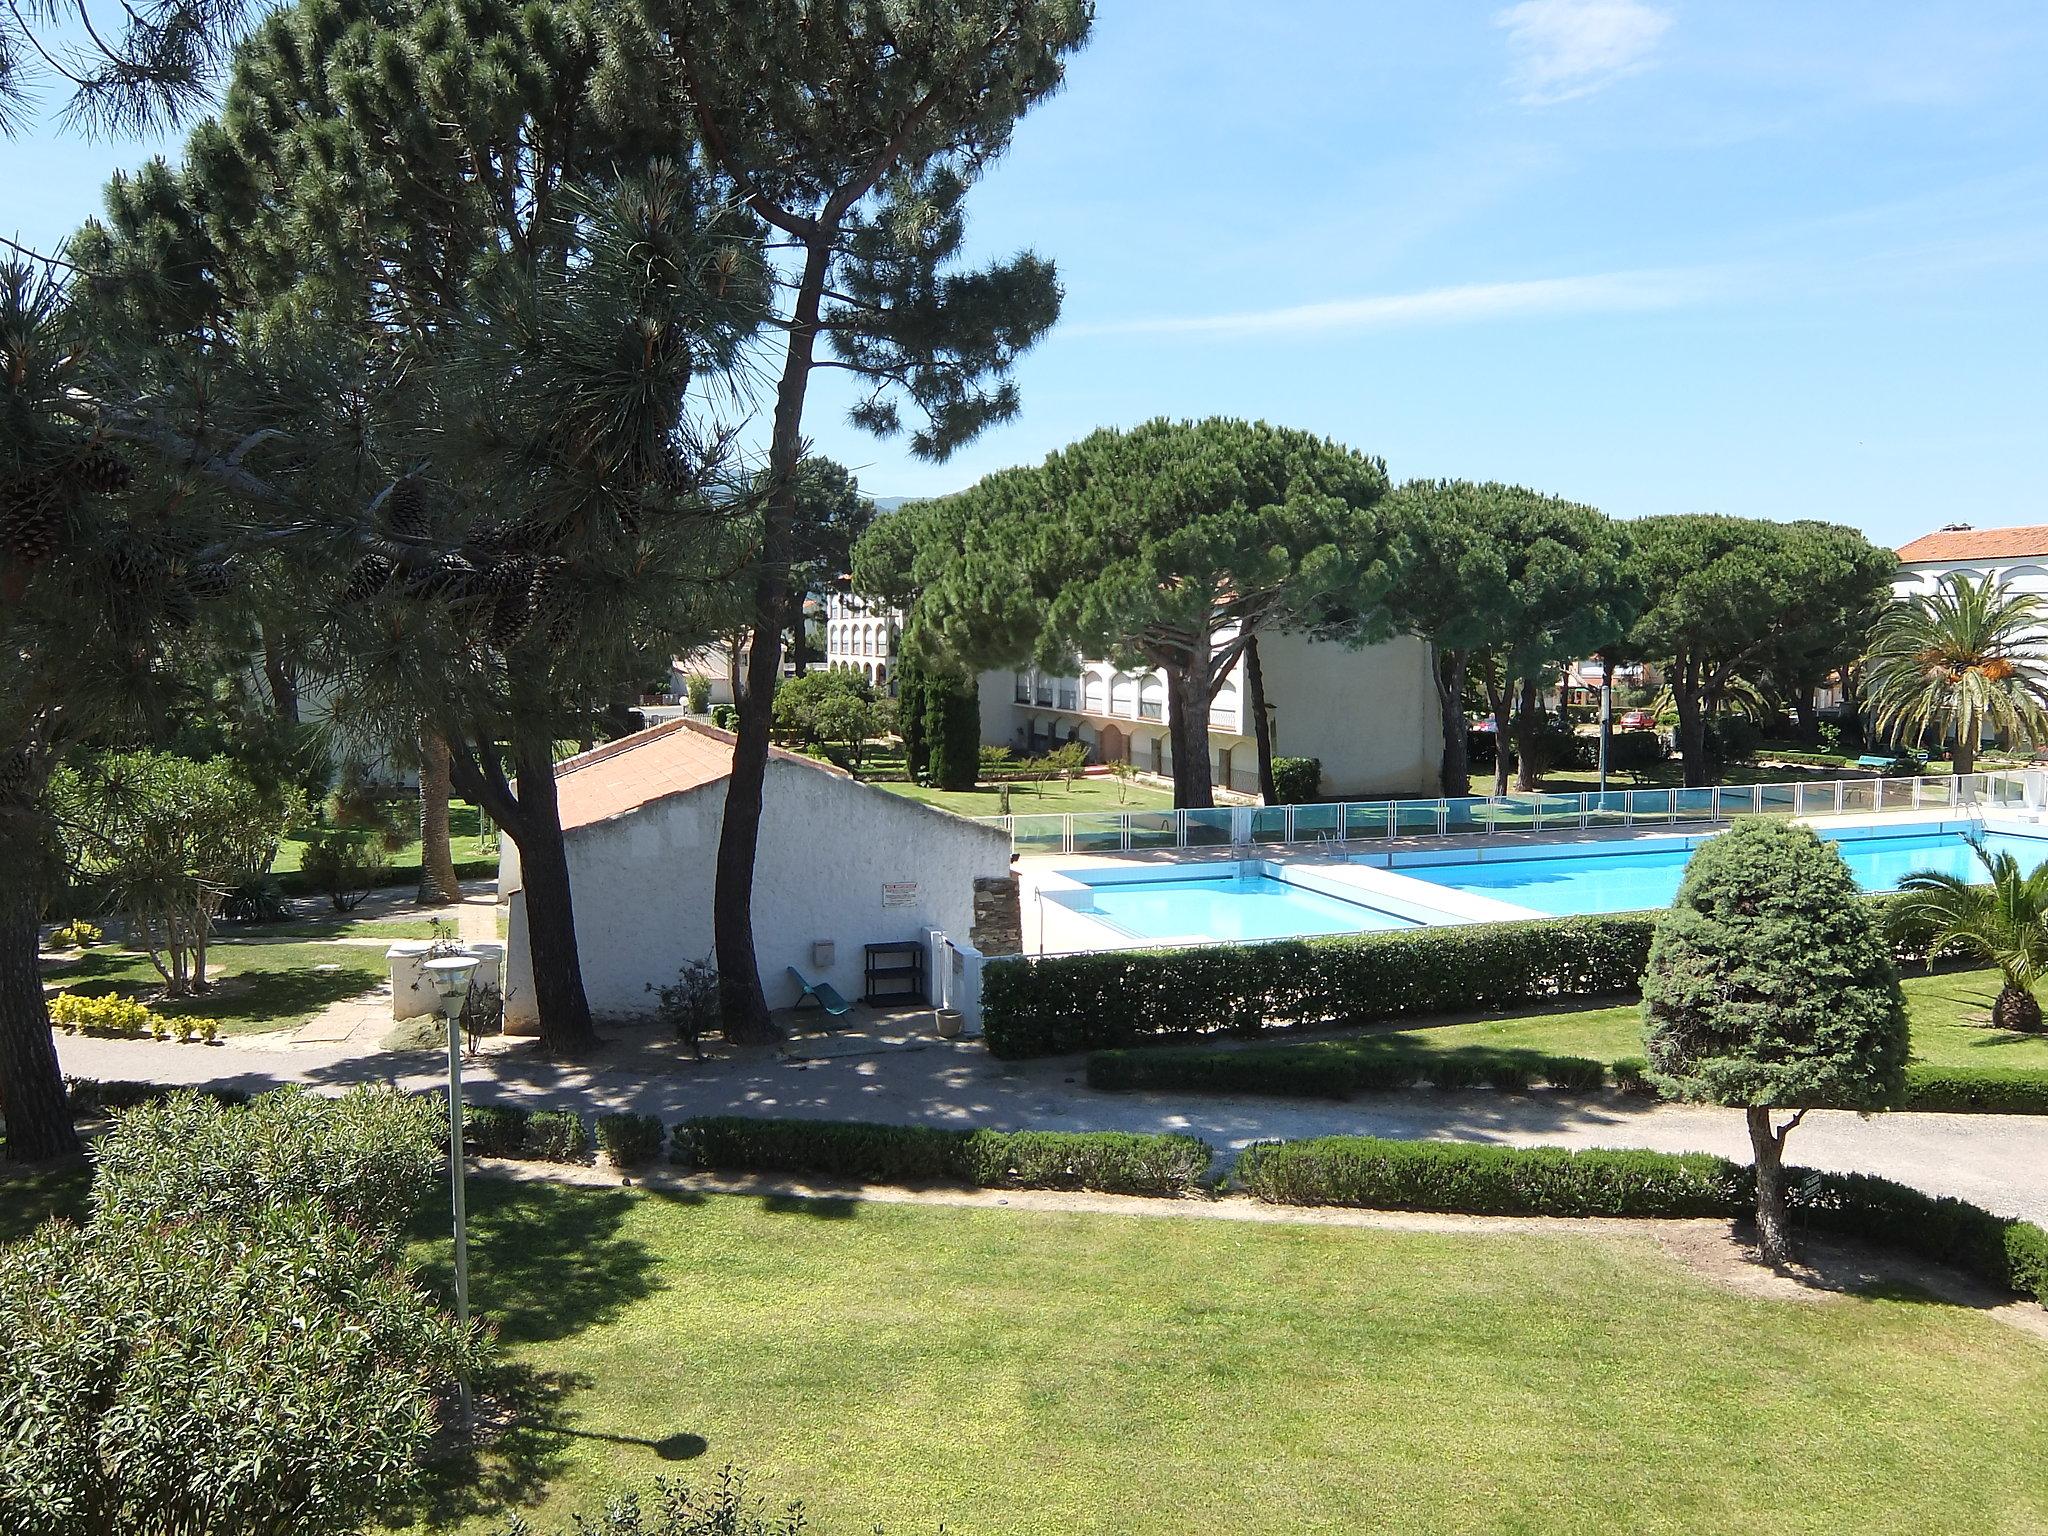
(1773, 259)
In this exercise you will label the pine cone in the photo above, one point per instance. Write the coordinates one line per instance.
(405, 512)
(448, 576)
(211, 582)
(370, 576)
(137, 566)
(31, 520)
(530, 536)
(511, 616)
(102, 472)
(549, 595)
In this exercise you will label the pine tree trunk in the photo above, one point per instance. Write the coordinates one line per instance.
(1187, 723)
(1809, 716)
(32, 1096)
(438, 883)
(1692, 725)
(1773, 1233)
(1454, 768)
(278, 674)
(1527, 769)
(1499, 700)
(1262, 728)
(559, 999)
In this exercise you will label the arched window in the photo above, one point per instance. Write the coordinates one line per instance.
(1223, 713)
(1151, 698)
(1122, 694)
(1091, 692)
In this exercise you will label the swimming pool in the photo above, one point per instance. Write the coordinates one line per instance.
(1236, 906)
(1576, 880)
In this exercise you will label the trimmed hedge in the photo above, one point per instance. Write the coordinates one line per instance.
(1111, 1162)
(494, 1130)
(1976, 1090)
(556, 1136)
(1337, 1069)
(1052, 1005)
(1487, 1180)
(89, 1097)
(630, 1140)
(1550, 1181)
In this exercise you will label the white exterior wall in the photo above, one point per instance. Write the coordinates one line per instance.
(2022, 573)
(643, 886)
(861, 637)
(1370, 715)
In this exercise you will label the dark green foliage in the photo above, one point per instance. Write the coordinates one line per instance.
(1769, 984)
(1995, 1249)
(952, 728)
(556, 1136)
(1976, 1090)
(630, 1140)
(724, 716)
(1337, 1069)
(1632, 1075)
(1113, 1162)
(675, 1509)
(1635, 752)
(495, 1130)
(803, 703)
(910, 715)
(344, 864)
(1487, 1180)
(1043, 1007)
(1298, 780)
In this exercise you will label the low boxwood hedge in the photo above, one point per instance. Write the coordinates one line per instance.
(1112, 1162)
(1482, 1180)
(1550, 1181)
(1337, 1069)
(1977, 1090)
(1053, 1004)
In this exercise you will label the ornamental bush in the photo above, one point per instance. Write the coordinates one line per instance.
(1112, 1162)
(1976, 1090)
(1769, 987)
(630, 1140)
(556, 1136)
(1487, 1180)
(1297, 780)
(494, 1130)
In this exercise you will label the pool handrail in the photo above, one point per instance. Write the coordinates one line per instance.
(1345, 822)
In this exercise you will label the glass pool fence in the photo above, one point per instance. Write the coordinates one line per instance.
(1365, 821)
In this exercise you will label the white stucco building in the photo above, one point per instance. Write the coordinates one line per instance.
(841, 864)
(2016, 556)
(861, 636)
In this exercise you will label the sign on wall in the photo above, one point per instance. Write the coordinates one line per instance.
(899, 893)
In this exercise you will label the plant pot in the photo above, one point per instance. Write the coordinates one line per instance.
(949, 1022)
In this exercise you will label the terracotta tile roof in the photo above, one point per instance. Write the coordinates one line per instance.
(650, 765)
(1978, 544)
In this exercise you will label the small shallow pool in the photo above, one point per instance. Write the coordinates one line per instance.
(1238, 906)
(1571, 882)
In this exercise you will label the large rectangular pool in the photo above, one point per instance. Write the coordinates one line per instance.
(1237, 906)
(1571, 881)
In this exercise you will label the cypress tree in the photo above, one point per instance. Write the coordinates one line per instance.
(953, 726)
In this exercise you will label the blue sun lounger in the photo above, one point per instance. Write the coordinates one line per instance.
(822, 992)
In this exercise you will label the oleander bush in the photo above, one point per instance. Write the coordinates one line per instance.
(556, 1136)
(1111, 1162)
(495, 1130)
(1488, 1180)
(1337, 1069)
(630, 1140)
(1051, 1005)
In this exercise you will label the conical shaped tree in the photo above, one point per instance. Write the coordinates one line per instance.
(1964, 659)
(2003, 923)
(1769, 988)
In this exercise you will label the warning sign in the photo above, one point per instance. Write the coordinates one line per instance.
(899, 893)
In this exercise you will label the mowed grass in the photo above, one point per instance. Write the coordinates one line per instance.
(32, 1195)
(1949, 1014)
(1038, 800)
(258, 986)
(473, 859)
(1015, 1373)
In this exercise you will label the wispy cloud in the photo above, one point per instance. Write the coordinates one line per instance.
(1569, 48)
(1604, 292)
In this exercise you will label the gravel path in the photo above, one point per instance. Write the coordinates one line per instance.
(877, 1074)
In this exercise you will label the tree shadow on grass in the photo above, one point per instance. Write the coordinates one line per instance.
(818, 1207)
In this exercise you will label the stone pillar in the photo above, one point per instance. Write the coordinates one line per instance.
(998, 916)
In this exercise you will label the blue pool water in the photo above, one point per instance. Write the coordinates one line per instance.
(1629, 881)
(1233, 907)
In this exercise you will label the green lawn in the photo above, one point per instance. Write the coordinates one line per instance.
(260, 986)
(472, 857)
(31, 1196)
(1039, 800)
(337, 926)
(1946, 1011)
(1030, 1374)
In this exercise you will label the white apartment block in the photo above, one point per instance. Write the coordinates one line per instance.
(861, 636)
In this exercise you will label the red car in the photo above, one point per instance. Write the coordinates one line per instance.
(1635, 720)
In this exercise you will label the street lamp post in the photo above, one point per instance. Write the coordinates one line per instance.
(450, 975)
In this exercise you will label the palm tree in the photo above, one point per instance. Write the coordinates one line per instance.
(2004, 923)
(1963, 658)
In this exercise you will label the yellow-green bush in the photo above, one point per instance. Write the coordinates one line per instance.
(76, 1013)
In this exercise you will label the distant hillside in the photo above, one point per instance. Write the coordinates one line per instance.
(890, 503)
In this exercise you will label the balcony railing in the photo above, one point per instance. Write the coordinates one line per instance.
(1366, 821)
(1223, 720)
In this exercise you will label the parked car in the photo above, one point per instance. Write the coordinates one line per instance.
(1636, 720)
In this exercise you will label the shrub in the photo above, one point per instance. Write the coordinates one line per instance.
(1338, 1068)
(89, 1096)
(1112, 1162)
(368, 1156)
(951, 721)
(1995, 1249)
(1632, 1075)
(109, 1014)
(76, 934)
(1976, 1090)
(495, 1130)
(725, 717)
(1488, 1180)
(675, 1509)
(1297, 779)
(689, 1005)
(697, 693)
(556, 1136)
(1046, 1006)
(344, 865)
(1635, 752)
(258, 1368)
(630, 1140)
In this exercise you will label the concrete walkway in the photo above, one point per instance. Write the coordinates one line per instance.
(883, 1071)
